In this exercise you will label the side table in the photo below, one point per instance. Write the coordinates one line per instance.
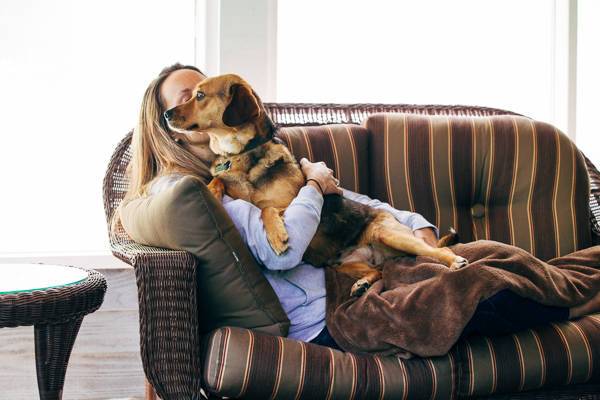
(54, 299)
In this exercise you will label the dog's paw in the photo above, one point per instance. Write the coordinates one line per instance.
(459, 262)
(278, 239)
(274, 227)
(278, 246)
(360, 287)
(217, 188)
(449, 239)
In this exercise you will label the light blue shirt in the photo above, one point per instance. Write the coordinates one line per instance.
(299, 286)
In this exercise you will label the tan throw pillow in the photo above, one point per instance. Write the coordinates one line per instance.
(231, 288)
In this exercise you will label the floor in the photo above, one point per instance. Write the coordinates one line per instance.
(105, 362)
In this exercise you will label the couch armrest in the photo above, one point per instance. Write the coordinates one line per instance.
(169, 329)
(594, 200)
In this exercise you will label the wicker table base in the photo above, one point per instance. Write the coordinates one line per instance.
(56, 314)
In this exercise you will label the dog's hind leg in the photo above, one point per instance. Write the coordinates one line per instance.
(276, 232)
(413, 245)
(365, 274)
(448, 239)
(387, 230)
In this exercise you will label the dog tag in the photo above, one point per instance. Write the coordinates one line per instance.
(223, 166)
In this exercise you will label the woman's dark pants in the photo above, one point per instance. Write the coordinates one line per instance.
(503, 313)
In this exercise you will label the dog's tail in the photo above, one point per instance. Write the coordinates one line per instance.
(449, 239)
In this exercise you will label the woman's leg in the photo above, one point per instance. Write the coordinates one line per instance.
(506, 312)
(325, 339)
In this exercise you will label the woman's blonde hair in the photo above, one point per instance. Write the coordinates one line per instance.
(154, 151)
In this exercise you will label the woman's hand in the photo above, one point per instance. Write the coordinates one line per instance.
(428, 236)
(318, 171)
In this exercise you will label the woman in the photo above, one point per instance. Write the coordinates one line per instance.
(161, 157)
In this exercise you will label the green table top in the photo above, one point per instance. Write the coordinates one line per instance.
(20, 278)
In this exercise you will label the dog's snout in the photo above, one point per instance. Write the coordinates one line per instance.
(168, 114)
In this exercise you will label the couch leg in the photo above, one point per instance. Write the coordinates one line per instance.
(150, 392)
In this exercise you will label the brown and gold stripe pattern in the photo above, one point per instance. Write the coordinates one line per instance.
(559, 354)
(344, 148)
(505, 178)
(240, 363)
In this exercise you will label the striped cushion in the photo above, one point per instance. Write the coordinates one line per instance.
(240, 363)
(558, 354)
(342, 147)
(505, 178)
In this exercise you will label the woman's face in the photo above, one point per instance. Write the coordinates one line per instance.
(178, 87)
(175, 90)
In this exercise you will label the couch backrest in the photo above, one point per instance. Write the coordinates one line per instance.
(504, 178)
(353, 175)
(343, 147)
(310, 114)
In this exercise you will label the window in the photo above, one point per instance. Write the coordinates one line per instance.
(73, 76)
(588, 79)
(492, 53)
(507, 54)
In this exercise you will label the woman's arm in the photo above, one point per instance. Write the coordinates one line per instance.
(413, 220)
(301, 220)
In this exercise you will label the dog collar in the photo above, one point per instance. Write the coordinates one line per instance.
(224, 166)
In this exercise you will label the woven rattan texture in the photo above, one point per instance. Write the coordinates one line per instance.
(594, 199)
(114, 187)
(291, 114)
(56, 314)
(169, 332)
(54, 305)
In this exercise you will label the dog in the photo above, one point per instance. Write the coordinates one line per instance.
(253, 165)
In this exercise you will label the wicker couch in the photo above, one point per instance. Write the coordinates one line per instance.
(233, 362)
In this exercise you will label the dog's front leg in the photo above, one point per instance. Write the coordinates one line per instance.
(217, 188)
(276, 233)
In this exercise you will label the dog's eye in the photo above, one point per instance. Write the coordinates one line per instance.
(200, 95)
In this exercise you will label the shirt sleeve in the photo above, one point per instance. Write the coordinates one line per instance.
(301, 220)
(413, 220)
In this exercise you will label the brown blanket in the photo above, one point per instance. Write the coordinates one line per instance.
(420, 307)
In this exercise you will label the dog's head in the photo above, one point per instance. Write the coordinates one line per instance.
(227, 109)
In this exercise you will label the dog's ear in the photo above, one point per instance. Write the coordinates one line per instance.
(242, 108)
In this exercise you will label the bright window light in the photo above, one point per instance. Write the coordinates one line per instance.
(487, 53)
(495, 53)
(72, 76)
(588, 79)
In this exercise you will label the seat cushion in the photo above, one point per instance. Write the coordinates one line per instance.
(342, 147)
(504, 178)
(240, 363)
(231, 287)
(557, 354)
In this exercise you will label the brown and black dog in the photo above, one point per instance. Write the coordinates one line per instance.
(254, 166)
